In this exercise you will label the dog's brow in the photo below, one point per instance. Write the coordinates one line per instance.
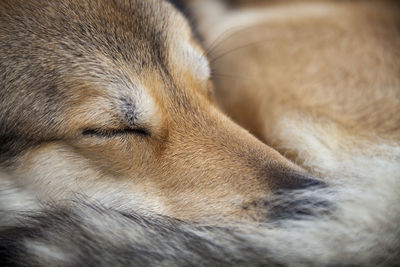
(129, 111)
(135, 105)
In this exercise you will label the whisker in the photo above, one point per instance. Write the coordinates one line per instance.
(221, 39)
(213, 59)
(228, 76)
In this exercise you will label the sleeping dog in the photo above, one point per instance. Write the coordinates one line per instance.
(114, 152)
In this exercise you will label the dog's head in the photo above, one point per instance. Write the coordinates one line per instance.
(113, 97)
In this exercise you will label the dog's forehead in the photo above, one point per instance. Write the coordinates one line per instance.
(97, 44)
(133, 104)
(169, 47)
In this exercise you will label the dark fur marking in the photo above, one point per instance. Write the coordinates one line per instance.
(129, 111)
(283, 207)
(282, 179)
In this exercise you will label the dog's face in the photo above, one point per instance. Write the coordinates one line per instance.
(113, 97)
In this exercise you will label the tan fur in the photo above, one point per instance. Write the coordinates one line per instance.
(93, 67)
(335, 63)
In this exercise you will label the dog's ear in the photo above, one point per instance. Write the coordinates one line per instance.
(184, 7)
(181, 5)
(239, 3)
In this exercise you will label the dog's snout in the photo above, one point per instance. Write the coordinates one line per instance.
(283, 179)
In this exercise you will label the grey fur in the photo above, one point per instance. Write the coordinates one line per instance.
(83, 233)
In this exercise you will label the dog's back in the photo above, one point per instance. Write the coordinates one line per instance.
(320, 82)
(335, 62)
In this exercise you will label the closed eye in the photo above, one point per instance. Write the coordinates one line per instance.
(115, 132)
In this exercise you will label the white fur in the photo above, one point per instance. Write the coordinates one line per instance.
(14, 198)
(62, 175)
(365, 179)
(193, 60)
(53, 254)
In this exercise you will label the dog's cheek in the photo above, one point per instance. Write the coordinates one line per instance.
(116, 154)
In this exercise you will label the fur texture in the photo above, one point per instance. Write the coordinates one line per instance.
(56, 209)
(310, 233)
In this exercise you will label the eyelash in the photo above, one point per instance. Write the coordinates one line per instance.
(116, 132)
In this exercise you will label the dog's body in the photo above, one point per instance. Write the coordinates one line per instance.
(110, 137)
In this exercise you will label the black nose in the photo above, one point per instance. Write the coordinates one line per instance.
(286, 203)
(283, 179)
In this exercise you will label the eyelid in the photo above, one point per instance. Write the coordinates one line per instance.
(115, 132)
